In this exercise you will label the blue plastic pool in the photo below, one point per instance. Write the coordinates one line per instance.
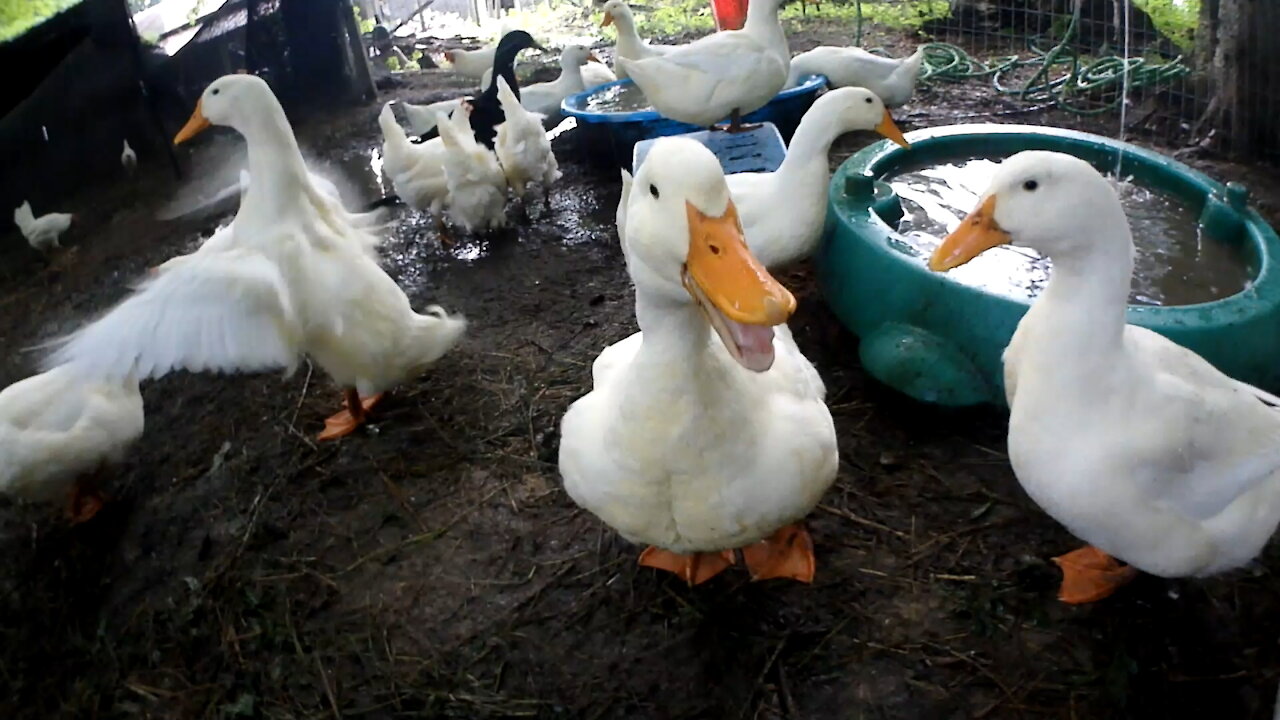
(758, 150)
(611, 136)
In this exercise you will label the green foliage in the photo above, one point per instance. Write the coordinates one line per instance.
(894, 15)
(1177, 19)
(675, 17)
(667, 18)
(18, 16)
(366, 26)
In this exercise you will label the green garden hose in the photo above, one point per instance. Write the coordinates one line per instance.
(1065, 78)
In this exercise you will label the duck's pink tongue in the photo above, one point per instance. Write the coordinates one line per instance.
(755, 344)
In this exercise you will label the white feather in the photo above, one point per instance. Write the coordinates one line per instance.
(222, 311)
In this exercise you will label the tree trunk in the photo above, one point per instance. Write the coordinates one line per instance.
(1242, 61)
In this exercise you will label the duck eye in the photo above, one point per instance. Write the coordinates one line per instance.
(214, 91)
(653, 190)
(868, 101)
(1030, 185)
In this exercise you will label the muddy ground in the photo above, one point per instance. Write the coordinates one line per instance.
(432, 566)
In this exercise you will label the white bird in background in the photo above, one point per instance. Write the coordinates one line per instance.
(57, 429)
(477, 187)
(42, 232)
(523, 148)
(129, 158)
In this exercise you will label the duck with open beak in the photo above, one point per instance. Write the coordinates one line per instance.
(739, 297)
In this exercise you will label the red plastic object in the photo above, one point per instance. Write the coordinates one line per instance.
(729, 14)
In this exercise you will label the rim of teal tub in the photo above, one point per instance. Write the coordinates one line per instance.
(993, 140)
(574, 104)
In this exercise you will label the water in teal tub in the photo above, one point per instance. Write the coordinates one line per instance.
(1174, 263)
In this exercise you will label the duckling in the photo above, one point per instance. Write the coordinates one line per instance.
(41, 232)
(477, 189)
(56, 427)
(523, 148)
(706, 431)
(1136, 444)
(545, 98)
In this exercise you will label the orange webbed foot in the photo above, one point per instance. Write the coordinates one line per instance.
(84, 502)
(1089, 575)
(788, 553)
(345, 422)
(696, 568)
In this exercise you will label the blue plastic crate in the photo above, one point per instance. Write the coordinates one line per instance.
(758, 150)
(613, 135)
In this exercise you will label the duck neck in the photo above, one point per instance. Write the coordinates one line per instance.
(628, 39)
(277, 172)
(763, 24)
(571, 74)
(674, 332)
(1088, 295)
(810, 145)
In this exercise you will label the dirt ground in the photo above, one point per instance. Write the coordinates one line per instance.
(432, 566)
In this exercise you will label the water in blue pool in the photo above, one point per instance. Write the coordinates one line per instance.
(624, 98)
(1174, 263)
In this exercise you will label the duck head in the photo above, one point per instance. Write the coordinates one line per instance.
(576, 56)
(685, 246)
(616, 11)
(855, 108)
(228, 101)
(1053, 203)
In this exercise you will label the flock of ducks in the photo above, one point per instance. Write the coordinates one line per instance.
(705, 435)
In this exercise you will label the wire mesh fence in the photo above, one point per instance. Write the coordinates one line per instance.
(1180, 73)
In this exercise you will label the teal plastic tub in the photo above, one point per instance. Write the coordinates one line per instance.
(610, 137)
(940, 341)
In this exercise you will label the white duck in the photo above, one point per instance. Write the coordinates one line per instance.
(706, 431)
(477, 196)
(726, 74)
(594, 73)
(295, 277)
(472, 63)
(629, 45)
(1137, 445)
(57, 428)
(800, 183)
(416, 169)
(41, 232)
(545, 97)
(129, 158)
(422, 118)
(894, 80)
(523, 148)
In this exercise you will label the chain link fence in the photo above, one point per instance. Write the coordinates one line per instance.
(1185, 74)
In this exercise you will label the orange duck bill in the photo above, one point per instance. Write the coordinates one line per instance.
(741, 300)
